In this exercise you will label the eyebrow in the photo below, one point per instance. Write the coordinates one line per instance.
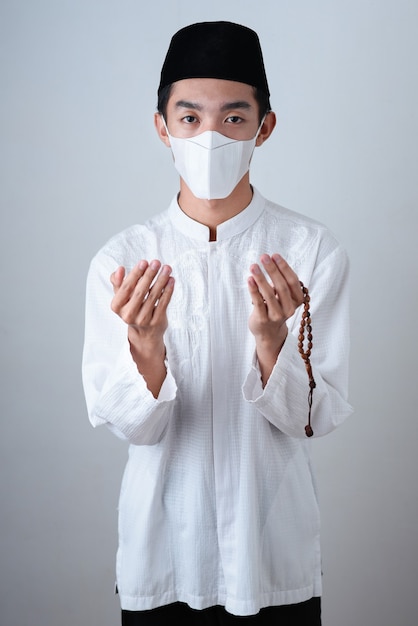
(186, 104)
(238, 104)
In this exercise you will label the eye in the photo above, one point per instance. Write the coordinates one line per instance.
(189, 119)
(234, 119)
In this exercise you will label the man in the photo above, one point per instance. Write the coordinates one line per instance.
(193, 354)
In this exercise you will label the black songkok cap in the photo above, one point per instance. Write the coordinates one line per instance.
(215, 50)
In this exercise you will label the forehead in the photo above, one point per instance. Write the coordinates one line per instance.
(211, 91)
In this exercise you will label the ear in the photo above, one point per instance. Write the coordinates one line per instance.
(161, 129)
(266, 128)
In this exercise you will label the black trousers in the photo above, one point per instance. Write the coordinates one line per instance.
(304, 614)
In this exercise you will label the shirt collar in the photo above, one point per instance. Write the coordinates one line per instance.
(231, 227)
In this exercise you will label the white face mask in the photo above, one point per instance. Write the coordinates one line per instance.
(211, 164)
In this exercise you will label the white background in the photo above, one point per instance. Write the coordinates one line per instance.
(80, 161)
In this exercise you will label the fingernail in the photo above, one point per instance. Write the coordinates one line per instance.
(155, 265)
(255, 269)
(142, 265)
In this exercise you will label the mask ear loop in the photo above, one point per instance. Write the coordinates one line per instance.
(165, 125)
(259, 128)
(306, 326)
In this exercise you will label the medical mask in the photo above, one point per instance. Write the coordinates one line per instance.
(211, 164)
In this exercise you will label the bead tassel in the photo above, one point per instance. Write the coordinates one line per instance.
(306, 326)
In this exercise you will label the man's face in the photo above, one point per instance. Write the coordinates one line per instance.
(196, 105)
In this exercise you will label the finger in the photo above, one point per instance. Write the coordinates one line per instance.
(281, 288)
(156, 290)
(290, 276)
(152, 310)
(266, 290)
(144, 282)
(136, 273)
(257, 298)
(161, 305)
(136, 285)
(124, 289)
(140, 309)
(285, 281)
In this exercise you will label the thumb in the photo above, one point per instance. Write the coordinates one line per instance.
(117, 278)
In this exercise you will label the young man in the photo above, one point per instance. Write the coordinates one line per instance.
(192, 354)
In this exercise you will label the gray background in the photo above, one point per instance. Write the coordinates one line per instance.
(80, 161)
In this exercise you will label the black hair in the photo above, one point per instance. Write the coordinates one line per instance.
(261, 97)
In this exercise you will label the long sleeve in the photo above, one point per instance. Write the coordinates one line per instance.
(284, 400)
(116, 394)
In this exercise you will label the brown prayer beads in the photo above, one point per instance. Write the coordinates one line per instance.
(306, 327)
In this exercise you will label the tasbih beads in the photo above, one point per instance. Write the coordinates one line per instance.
(306, 327)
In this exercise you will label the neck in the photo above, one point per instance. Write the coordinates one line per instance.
(211, 213)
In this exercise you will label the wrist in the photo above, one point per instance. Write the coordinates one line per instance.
(270, 346)
(147, 349)
(268, 351)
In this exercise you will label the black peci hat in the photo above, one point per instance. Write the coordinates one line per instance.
(215, 50)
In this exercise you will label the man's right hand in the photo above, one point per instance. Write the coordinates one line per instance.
(141, 299)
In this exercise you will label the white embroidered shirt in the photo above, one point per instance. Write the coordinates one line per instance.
(218, 501)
